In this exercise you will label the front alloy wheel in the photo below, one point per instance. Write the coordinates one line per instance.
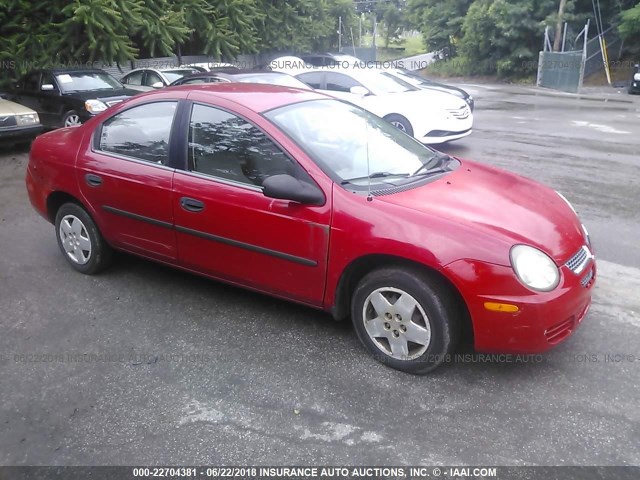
(397, 323)
(407, 318)
(72, 119)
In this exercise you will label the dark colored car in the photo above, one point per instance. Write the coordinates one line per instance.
(308, 198)
(426, 84)
(227, 75)
(635, 81)
(68, 97)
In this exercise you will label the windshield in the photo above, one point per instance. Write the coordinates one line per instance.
(411, 78)
(273, 79)
(380, 83)
(173, 75)
(87, 81)
(352, 144)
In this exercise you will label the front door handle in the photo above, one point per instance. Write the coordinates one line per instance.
(191, 204)
(93, 180)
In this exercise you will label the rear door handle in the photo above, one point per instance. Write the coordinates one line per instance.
(191, 204)
(93, 180)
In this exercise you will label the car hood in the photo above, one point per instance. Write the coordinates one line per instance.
(431, 99)
(12, 108)
(103, 95)
(508, 207)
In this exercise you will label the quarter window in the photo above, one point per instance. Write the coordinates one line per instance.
(141, 132)
(226, 146)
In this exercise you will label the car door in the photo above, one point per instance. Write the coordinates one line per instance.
(227, 228)
(50, 101)
(126, 175)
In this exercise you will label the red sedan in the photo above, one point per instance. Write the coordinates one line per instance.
(311, 199)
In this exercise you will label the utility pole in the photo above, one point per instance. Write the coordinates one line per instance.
(339, 34)
(557, 41)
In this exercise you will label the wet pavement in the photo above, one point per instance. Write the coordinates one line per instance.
(147, 365)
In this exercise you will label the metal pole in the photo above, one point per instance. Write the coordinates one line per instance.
(564, 35)
(556, 40)
(339, 34)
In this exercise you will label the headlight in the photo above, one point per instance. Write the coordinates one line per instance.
(27, 119)
(636, 77)
(95, 106)
(534, 268)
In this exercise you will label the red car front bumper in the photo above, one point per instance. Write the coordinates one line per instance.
(543, 319)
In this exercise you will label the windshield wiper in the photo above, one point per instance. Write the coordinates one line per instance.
(375, 175)
(437, 167)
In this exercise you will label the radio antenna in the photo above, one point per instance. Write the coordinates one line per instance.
(366, 130)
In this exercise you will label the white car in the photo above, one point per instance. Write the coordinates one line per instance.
(289, 64)
(431, 117)
(147, 79)
(209, 66)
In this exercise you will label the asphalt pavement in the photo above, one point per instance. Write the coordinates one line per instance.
(147, 365)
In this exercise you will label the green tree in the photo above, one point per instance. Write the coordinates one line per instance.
(393, 22)
(630, 28)
(439, 21)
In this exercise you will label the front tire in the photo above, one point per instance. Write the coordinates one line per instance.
(400, 122)
(80, 240)
(405, 318)
(71, 119)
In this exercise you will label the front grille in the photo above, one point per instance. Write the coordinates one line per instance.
(579, 261)
(559, 331)
(587, 279)
(460, 113)
(8, 121)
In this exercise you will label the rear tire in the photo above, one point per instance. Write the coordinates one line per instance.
(406, 318)
(80, 241)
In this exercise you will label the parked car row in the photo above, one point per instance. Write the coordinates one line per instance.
(432, 113)
(300, 195)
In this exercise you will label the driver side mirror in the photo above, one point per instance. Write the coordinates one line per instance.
(286, 187)
(157, 85)
(359, 90)
(47, 87)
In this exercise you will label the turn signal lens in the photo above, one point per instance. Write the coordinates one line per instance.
(501, 307)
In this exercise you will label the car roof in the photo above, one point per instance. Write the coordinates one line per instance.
(258, 97)
(59, 70)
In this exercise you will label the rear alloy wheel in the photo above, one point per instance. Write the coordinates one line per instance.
(71, 119)
(406, 319)
(80, 241)
(400, 123)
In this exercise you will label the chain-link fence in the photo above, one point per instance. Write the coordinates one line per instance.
(563, 70)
